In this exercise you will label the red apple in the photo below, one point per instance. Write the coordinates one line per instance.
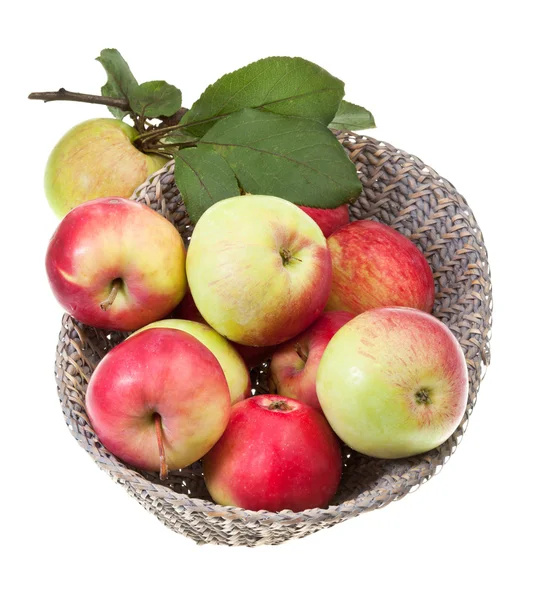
(116, 264)
(294, 364)
(328, 219)
(159, 400)
(232, 364)
(375, 266)
(275, 454)
(393, 382)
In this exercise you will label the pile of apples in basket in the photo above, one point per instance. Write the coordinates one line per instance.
(355, 354)
(342, 310)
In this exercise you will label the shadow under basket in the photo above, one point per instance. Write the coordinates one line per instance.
(399, 190)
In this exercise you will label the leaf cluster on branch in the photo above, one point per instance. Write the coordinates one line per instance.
(262, 129)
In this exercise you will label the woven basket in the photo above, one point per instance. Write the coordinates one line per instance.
(399, 190)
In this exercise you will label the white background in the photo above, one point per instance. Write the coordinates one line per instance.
(454, 84)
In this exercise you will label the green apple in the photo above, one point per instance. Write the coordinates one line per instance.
(96, 159)
(232, 364)
(259, 269)
(393, 382)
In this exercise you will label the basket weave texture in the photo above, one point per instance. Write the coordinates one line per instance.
(402, 192)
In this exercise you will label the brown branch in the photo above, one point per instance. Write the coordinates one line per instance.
(147, 138)
(63, 94)
(175, 118)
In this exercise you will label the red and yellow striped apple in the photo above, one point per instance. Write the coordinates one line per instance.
(232, 364)
(328, 219)
(393, 382)
(294, 364)
(374, 266)
(275, 454)
(96, 159)
(116, 264)
(159, 400)
(258, 269)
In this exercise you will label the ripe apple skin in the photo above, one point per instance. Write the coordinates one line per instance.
(165, 372)
(96, 159)
(328, 219)
(272, 458)
(295, 362)
(258, 269)
(111, 239)
(393, 382)
(232, 364)
(374, 266)
(252, 355)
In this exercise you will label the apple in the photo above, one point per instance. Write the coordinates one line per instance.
(275, 454)
(328, 219)
(258, 269)
(294, 364)
(159, 400)
(96, 159)
(232, 364)
(374, 266)
(116, 264)
(252, 355)
(393, 382)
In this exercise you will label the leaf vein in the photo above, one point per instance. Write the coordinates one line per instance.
(282, 156)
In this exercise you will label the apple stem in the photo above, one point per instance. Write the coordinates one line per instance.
(287, 256)
(163, 463)
(304, 357)
(112, 295)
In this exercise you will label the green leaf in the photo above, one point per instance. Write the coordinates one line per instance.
(296, 159)
(120, 81)
(352, 117)
(155, 99)
(281, 85)
(203, 178)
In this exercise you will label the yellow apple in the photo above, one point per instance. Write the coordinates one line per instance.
(96, 159)
(259, 269)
